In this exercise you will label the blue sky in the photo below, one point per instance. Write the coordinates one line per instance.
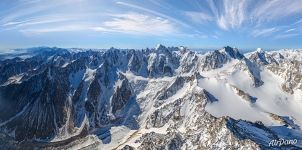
(144, 23)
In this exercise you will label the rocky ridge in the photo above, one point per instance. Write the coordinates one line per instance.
(59, 98)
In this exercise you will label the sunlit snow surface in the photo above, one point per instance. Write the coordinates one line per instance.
(270, 97)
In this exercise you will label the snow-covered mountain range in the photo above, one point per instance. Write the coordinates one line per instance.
(161, 98)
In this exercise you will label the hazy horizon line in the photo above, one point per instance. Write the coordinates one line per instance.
(6, 50)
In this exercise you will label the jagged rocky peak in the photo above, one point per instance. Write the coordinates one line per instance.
(140, 99)
(217, 58)
(259, 50)
(137, 63)
(172, 88)
(163, 49)
(42, 101)
(252, 69)
(122, 93)
(262, 58)
(159, 47)
(162, 61)
(208, 97)
(290, 54)
(232, 52)
(278, 57)
(259, 56)
(183, 48)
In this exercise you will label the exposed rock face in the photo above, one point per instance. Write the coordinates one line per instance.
(189, 61)
(292, 73)
(233, 52)
(187, 124)
(214, 60)
(172, 89)
(253, 71)
(218, 58)
(262, 58)
(162, 61)
(93, 99)
(208, 96)
(36, 101)
(244, 130)
(287, 67)
(127, 147)
(56, 100)
(137, 63)
(245, 95)
(136, 99)
(122, 94)
(172, 141)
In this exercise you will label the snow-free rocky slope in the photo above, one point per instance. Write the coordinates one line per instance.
(161, 98)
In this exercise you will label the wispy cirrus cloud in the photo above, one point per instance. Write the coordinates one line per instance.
(130, 23)
(287, 35)
(31, 8)
(135, 23)
(193, 20)
(172, 19)
(229, 13)
(156, 13)
(37, 21)
(144, 21)
(290, 30)
(234, 14)
(264, 32)
(199, 17)
(270, 10)
(52, 29)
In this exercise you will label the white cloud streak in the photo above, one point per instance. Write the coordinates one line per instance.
(290, 30)
(231, 14)
(284, 36)
(52, 29)
(264, 32)
(37, 21)
(199, 17)
(130, 23)
(154, 13)
(269, 10)
(135, 23)
(234, 14)
(33, 16)
(28, 8)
